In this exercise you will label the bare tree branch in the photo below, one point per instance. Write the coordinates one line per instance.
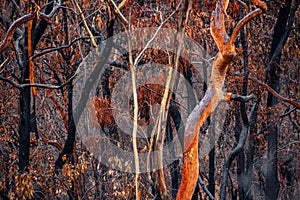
(47, 17)
(22, 20)
(1, 65)
(235, 152)
(272, 91)
(61, 47)
(119, 13)
(244, 21)
(286, 33)
(211, 197)
(86, 25)
(22, 86)
(236, 97)
(13, 27)
(122, 4)
(138, 58)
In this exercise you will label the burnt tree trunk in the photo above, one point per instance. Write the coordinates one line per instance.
(24, 125)
(272, 79)
(25, 95)
(70, 141)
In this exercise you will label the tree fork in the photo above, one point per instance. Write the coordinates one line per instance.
(214, 93)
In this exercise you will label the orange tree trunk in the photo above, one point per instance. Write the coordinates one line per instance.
(213, 95)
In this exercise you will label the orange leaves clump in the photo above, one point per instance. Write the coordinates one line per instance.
(24, 188)
(103, 111)
(86, 3)
(148, 95)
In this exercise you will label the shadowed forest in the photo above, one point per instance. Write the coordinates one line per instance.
(137, 99)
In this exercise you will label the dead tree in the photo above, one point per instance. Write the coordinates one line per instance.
(214, 93)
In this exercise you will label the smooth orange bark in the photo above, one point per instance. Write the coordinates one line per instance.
(213, 94)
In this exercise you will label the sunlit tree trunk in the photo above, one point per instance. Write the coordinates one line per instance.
(213, 95)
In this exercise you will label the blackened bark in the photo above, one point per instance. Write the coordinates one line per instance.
(271, 76)
(249, 166)
(40, 29)
(176, 117)
(272, 183)
(175, 174)
(103, 180)
(24, 124)
(211, 164)
(175, 170)
(237, 150)
(240, 158)
(211, 173)
(242, 175)
(250, 158)
(272, 79)
(24, 128)
(70, 141)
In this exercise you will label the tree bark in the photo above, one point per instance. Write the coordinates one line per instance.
(272, 79)
(31, 39)
(213, 94)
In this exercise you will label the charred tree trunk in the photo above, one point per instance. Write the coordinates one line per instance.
(244, 179)
(211, 173)
(24, 126)
(281, 32)
(31, 40)
(250, 158)
(25, 104)
(70, 141)
(71, 130)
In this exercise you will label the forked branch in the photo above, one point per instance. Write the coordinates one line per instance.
(213, 95)
(10, 32)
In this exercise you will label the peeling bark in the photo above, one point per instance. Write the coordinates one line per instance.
(213, 95)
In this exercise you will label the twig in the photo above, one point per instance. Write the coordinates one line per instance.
(86, 25)
(61, 47)
(122, 4)
(17, 7)
(211, 197)
(10, 32)
(117, 64)
(236, 97)
(287, 113)
(260, 4)
(244, 21)
(243, 3)
(50, 15)
(138, 58)
(50, 142)
(22, 86)
(3, 63)
(284, 99)
(118, 12)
